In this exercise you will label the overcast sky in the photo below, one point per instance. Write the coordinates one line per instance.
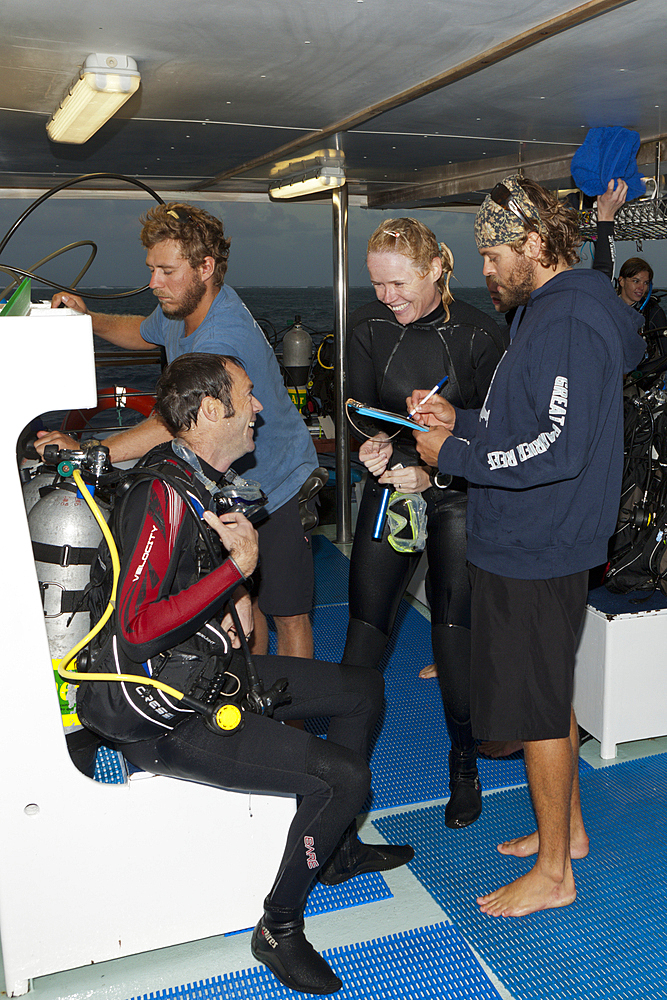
(279, 244)
(284, 244)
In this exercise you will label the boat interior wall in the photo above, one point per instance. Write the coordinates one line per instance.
(70, 849)
(419, 92)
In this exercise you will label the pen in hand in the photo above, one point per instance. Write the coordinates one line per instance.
(436, 388)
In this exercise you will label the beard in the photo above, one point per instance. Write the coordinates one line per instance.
(191, 299)
(515, 290)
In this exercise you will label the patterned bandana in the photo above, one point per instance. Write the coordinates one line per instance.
(496, 225)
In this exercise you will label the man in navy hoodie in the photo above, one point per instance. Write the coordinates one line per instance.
(544, 459)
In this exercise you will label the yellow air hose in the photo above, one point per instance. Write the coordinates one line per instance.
(328, 368)
(61, 666)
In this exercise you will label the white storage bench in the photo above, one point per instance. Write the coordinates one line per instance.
(620, 682)
(92, 871)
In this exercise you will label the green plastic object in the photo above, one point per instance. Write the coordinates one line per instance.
(19, 303)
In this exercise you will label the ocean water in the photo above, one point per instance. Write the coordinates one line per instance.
(279, 306)
(316, 305)
(275, 309)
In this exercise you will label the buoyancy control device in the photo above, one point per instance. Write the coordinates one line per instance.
(638, 550)
(71, 538)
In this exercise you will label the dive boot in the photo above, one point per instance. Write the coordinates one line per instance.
(279, 943)
(451, 646)
(352, 858)
(465, 802)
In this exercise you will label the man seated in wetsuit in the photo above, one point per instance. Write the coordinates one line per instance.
(175, 581)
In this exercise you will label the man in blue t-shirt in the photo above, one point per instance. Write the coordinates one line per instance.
(187, 254)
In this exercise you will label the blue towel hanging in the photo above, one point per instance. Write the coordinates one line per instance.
(608, 153)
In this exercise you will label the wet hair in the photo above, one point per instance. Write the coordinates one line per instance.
(198, 233)
(634, 266)
(187, 381)
(559, 226)
(414, 240)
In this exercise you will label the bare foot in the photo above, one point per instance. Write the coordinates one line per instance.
(427, 672)
(499, 748)
(528, 894)
(523, 847)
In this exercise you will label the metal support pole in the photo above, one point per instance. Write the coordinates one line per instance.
(657, 172)
(343, 512)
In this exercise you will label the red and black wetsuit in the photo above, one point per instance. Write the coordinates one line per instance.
(165, 598)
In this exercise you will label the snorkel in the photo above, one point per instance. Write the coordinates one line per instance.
(646, 297)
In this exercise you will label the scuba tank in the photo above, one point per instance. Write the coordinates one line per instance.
(297, 355)
(65, 537)
(35, 477)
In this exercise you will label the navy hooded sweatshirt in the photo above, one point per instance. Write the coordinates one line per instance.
(544, 455)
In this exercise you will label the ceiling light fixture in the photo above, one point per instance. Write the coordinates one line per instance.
(104, 84)
(322, 171)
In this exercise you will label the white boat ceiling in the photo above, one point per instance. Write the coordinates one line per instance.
(434, 100)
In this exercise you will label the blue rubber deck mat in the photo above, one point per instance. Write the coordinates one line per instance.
(332, 570)
(431, 963)
(109, 767)
(409, 759)
(611, 944)
(369, 888)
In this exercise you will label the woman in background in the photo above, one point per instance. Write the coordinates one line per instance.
(414, 335)
(635, 283)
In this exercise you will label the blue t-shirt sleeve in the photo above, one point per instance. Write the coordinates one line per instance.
(151, 328)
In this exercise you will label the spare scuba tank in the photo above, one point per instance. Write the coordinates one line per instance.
(297, 356)
(65, 537)
(35, 477)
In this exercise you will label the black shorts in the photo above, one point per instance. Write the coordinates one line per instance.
(524, 641)
(285, 574)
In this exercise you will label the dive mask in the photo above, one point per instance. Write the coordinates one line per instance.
(233, 494)
(406, 514)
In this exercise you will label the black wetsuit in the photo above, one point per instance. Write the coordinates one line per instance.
(605, 249)
(386, 361)
(165, 598)
(653, 313)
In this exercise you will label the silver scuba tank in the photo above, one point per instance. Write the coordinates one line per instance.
(297, 356)
(65, 537)
(40, 476)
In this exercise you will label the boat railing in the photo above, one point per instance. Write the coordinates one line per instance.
(105, 359)
(122, 405)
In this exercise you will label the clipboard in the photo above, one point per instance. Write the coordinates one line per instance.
(386, 415)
